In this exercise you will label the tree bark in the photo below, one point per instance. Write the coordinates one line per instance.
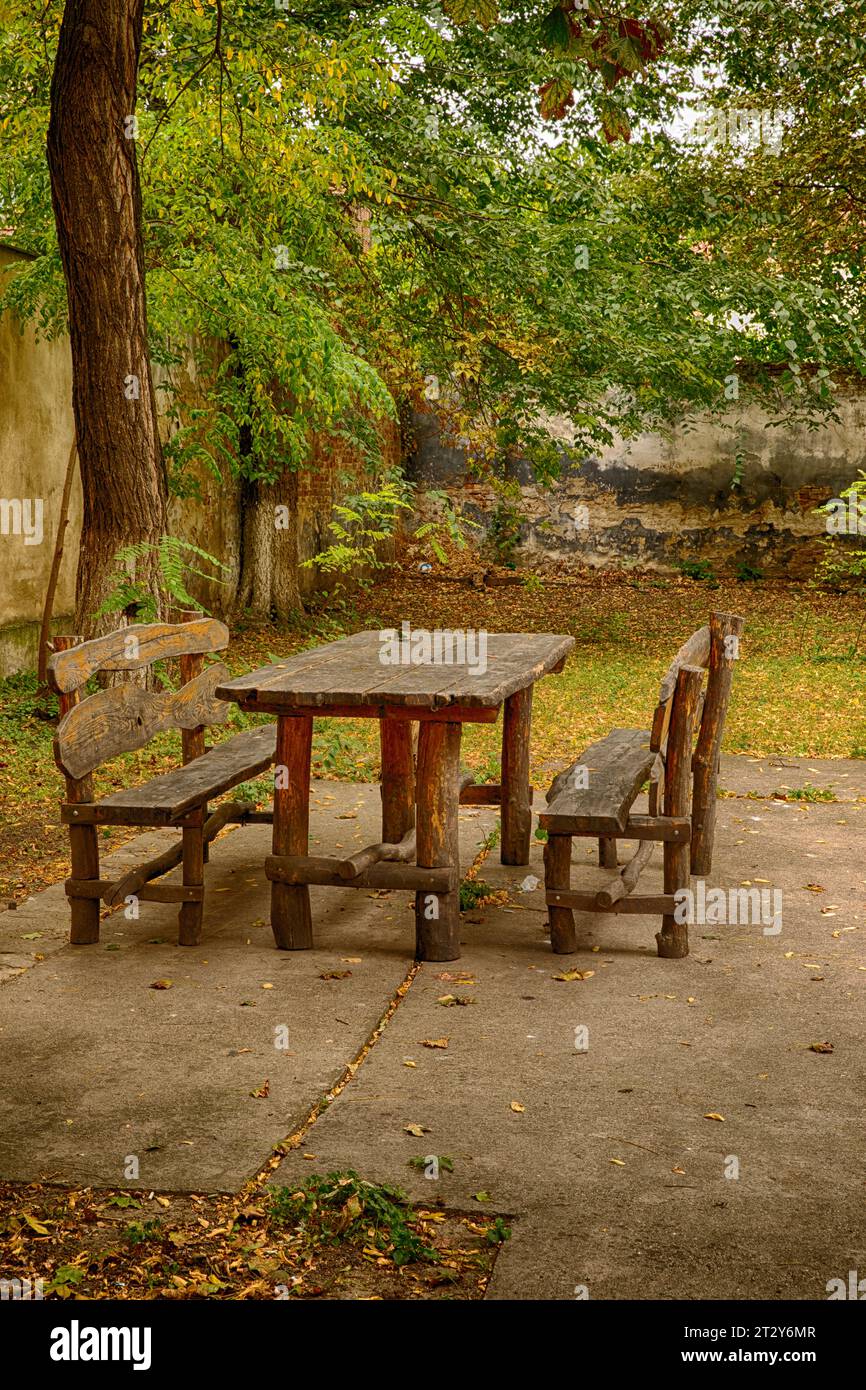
(268, 585)
(97, 208)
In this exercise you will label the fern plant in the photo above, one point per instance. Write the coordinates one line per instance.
(175, 565)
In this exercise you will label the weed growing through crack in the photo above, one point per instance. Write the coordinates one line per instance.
(343, 1207)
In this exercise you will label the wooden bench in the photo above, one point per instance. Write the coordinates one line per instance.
(595, 795)
(124, 717)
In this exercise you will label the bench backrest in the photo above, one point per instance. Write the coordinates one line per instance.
(124, 717)
(715, 648)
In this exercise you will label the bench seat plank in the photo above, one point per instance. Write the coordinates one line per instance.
(171, 794)
(617, 768)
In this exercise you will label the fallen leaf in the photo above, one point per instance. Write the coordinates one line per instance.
(161, 984)
(335, 974)
(575, 975)
(263, 1091)
(618, 1161)
(713, 1115)
(35, 1225)
(417, 1130)
(434, 1042)
(821, 1047)
(517, 1107)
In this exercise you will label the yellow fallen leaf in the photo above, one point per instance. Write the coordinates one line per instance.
(267, 985)
(434, 1042)
(620, 1163)
(35, 1225)
(410, 1064)
(162, 984)
(418, 1130)
(517, 1107)
(575, 975)
(713, 1115)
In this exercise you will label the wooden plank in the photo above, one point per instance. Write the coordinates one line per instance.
(70, 669)
(516, 801)
(617, 768)
(271, 704)
(676, 828)
(653, 904)
(164, 799)
(695, 651)
(324, 872)
(725, 632)
(282, 673)
(291, 920)
(355, 675)
(515, 667)
(150, 893)
(673, 939)
(486, 794)
(437, 916)
(125, 717)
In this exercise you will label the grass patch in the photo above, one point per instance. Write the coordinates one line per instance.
(799, 689)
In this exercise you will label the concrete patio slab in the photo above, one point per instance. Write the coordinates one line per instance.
(620, 1184)
(98, 1066)
(613, 1175)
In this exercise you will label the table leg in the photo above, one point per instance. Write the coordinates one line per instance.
(398, 779)
(437, 915)
(291, 921)
(516, 801)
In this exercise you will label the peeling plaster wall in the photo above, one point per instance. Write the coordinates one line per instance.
(36, 431)
(657, 500)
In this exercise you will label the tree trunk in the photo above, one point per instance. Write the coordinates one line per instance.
(97, 208)
(268, 585)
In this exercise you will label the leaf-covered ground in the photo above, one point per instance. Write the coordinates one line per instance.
(131, 1245)
(800, 688)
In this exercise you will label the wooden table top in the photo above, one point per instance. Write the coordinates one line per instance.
(352, 672)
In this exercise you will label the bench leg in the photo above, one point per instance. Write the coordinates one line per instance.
(291, 920)
(607, 852)
(437, 915)
(84, 912)
(557, 879)
(516, 801)
(191, 914)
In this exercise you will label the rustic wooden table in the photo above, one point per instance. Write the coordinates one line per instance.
(351, 678)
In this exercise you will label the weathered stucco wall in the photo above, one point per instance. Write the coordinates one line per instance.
(35, 437)
(36, 431)
(657, 501)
